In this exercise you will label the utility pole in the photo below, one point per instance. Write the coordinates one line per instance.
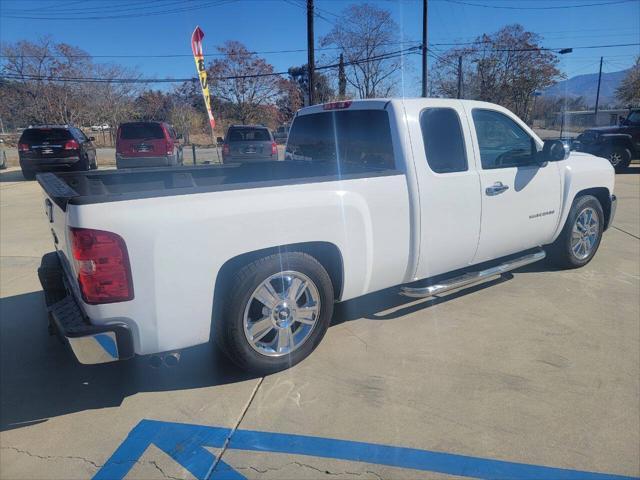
(598, 92)
(460, 76)
(310, 53)
(342, 79)
(424, 48)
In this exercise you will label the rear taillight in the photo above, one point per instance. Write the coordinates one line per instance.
(71, 145)
(225, 149)
(169, 147)
(102, 265)
(23, 147)
(274, 148)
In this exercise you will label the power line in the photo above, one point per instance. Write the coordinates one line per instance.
(211, 3)
(190, 55)
(553, 7)
(11, 76)
(269, 52)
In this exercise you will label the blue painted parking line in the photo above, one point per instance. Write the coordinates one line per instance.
(185, 444)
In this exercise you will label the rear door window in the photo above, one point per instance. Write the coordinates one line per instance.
(443, 140)
(50, 135)
(141, 131)
(357, 138)
(249, 135)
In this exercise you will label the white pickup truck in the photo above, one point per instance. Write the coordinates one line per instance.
(430, 194)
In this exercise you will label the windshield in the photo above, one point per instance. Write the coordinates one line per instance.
(634, 118)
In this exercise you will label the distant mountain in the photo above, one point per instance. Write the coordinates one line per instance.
(587, 85)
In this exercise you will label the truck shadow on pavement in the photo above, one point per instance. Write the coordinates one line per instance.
(11, 176)
(40, 379)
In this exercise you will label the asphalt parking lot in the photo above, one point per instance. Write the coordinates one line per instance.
(536, 369)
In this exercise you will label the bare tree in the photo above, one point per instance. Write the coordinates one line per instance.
(506, 68)
(252, 86)
(39, 86)
(628, 92)
(365, 34)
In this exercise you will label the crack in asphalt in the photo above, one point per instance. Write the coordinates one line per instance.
(311, 467)
(52, 457)
(624, 231)
(92, 463)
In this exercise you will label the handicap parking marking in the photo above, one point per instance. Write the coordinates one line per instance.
(185, 444)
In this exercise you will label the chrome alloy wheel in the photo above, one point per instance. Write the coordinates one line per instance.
(584, 233)
(281, 313)
(615, 158)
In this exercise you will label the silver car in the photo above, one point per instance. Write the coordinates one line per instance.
(246, 143)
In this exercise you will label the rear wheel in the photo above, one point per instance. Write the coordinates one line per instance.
(28, 174)
(580, 238)
(619, 157)
(276, 313)
(83, 164)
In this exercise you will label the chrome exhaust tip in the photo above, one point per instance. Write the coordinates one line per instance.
(172, 359)
(166, 359)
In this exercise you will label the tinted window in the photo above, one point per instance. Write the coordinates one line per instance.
(249, 135)
(139, 131)
(634, 118)
(35, 135)
(503, 143)
(80, 135)
(358, 137)
(443, 141)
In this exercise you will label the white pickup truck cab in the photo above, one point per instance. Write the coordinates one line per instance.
(431, 194)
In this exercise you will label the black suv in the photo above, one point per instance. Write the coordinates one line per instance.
(55, 147)
(618, 144)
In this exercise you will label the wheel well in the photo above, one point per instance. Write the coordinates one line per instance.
(603, 196)
(622, 142)
(324, 252)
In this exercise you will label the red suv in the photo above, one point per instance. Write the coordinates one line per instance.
(147, 144)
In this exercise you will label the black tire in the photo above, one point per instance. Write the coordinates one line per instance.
(560, 253)
(28, 174)
(228, 327)
(619, 157)
(83, 165)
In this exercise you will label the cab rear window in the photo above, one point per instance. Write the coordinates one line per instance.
(36, 135)
(358, 138)
(139, 131)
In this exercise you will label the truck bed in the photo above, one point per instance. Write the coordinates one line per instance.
(116, 185)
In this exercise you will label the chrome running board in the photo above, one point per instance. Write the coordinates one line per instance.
(472, 277)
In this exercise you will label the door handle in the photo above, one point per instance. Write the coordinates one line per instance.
(496, 189)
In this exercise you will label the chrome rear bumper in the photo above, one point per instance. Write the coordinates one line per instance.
(90, 344)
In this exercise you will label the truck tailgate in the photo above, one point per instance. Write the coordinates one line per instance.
(56, 214)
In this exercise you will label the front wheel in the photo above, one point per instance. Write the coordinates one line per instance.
(580, 238)
(277, 311)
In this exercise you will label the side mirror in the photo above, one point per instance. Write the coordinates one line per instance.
(179, 136)
(220, 140)
(554, 151)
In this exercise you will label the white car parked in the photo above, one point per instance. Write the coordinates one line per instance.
(430, 194)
